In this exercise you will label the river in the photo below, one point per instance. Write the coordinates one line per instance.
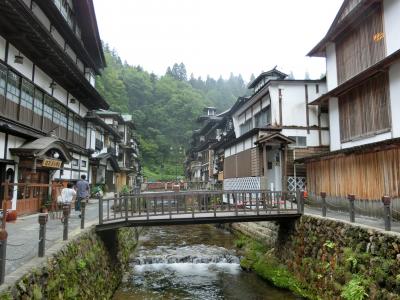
(191, 262)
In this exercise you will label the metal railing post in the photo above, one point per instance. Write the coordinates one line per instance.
(83, 211)
(323, 196)
(101, 210)
(298, 200)
(3, 251)
(42, 234)
(65, 219)
(351, 199)
(387, 213)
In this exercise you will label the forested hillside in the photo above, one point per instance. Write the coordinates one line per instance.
(164, 108)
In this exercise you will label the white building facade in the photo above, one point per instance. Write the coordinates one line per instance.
(48, 60)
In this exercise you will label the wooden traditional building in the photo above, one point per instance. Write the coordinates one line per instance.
(272, 127)
(114, 161)
(362, 51)
(199, 161)
(50, 52)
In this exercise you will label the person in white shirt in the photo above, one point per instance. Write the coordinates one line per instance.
(68, 194)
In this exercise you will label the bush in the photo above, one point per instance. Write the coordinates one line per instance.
(355, 289)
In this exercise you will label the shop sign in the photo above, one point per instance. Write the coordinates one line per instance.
(52, 163)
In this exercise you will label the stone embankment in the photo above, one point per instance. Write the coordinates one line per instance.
(89, 266)
(322, 258)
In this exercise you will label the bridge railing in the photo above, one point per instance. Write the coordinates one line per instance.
(192, 204)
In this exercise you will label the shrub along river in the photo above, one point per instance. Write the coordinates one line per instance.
(191, 262)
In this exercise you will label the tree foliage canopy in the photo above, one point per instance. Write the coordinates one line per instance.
(164, 108)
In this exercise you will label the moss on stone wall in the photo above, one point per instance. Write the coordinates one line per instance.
(330, 260)
(83, 269)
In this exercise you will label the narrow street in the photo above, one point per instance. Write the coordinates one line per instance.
(23, 235)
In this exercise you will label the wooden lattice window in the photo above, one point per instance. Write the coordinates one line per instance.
(364, 110)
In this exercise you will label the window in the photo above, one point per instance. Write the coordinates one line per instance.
(82, 130)
(317, 88)
(246, 126)
(27, 94)
(57, 113)
(70, 123)
(3, 79)
(83, 163)
(48, 107)
(301, 141)
(13, 91)
(365, 109)
(262, 118)
(75, 162)
(38, 104)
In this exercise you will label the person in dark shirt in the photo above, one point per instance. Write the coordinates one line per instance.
(82, 192)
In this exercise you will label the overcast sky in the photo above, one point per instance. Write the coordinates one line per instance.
(217, 37)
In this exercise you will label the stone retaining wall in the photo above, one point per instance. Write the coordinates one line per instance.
(329, 259)
(89, 266)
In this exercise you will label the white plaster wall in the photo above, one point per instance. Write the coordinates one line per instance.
(40, 15)
(227, 152)
(266, 100)
(236, 126)
(247, 144)
(60, 94)
(273, 91)
(256, 108)
(91, 137)
(394, 88)
(2, 144)
(2, 48)
(26, 68)
(312, 137)
(325, 138)
(14, 142)
(82, 110)
(374, 139)
(324, 120)
(331, 70)
(293, 105)
(240, 147)
(57, 36)
(334, 125)
(73, 106)
(80, 65)
(391, 23)
(70, 53)
(42, 80)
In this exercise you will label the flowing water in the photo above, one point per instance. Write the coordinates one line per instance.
(191, 262)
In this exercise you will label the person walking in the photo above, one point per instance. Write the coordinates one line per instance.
(82, 187)
(67, 196)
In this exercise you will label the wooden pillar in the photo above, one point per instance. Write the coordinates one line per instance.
(284, 168)
(265, 163)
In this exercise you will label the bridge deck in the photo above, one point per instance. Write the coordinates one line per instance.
(154, 209)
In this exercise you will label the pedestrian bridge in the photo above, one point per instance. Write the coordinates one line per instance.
(197, 207)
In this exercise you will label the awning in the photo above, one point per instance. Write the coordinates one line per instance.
(107, 157)
(275, 138)
(44, 148)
